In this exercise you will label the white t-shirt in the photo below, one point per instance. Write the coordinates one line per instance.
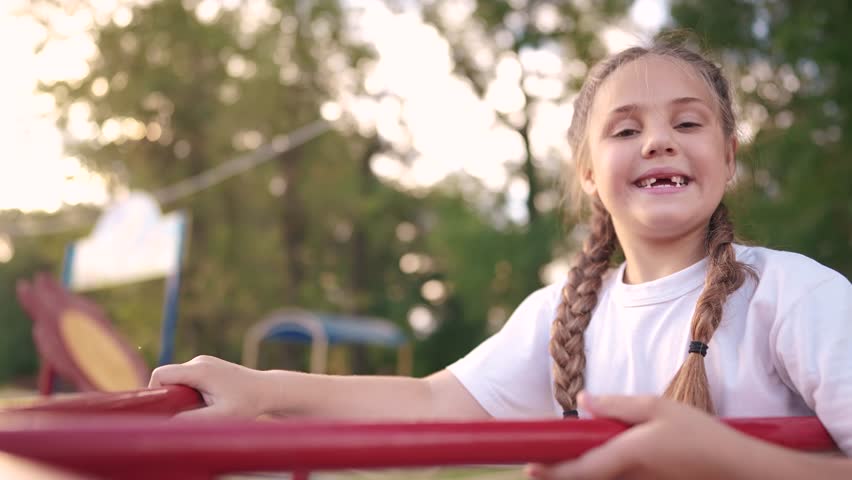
(783, 348)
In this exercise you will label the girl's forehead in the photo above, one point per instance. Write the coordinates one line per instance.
(650, 81)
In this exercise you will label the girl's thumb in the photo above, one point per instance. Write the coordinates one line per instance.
(627, 409)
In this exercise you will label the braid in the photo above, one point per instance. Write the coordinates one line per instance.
(724, 276)
(579, 297)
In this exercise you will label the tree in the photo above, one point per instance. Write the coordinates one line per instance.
(177, 88)
(790, 64)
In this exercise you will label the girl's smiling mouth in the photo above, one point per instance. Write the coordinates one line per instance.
(662, 180)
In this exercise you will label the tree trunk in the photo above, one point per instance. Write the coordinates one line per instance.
(293, 225)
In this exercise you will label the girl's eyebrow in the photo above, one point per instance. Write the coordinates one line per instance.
(631, 107)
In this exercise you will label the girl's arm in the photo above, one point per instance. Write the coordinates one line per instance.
(671, 440)
(234, 390)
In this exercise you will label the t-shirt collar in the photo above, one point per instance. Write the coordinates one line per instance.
(660, 290)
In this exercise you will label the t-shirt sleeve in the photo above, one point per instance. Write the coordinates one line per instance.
(509, 373)
(813, 346)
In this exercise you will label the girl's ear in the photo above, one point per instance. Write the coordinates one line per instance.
(588, 182)
(731, 157)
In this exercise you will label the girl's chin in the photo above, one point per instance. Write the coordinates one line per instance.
(669, 223)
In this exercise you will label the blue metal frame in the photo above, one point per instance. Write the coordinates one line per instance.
(67, 263)
(170, 307)
(339, 329)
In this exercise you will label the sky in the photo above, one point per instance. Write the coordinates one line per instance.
(37, 175)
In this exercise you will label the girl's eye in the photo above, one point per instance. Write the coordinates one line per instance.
(688, 125)
(627, 132)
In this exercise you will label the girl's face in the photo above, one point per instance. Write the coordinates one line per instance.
(659, 158)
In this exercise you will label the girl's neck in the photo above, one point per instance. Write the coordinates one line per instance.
(650, 259)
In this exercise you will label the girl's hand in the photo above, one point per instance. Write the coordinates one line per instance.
(228, 389)
(670, 440)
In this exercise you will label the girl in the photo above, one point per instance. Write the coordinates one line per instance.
(733, 330)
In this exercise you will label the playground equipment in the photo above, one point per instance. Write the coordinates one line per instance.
(322, 330)
(131, 242)
(75, 340)
(128, 445)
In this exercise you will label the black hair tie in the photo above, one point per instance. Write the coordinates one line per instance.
(570, 414)
(698, 347)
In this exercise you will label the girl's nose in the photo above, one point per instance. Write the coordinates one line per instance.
(658, 144)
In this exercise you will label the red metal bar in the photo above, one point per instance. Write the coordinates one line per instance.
(155, 401)
(134, 447)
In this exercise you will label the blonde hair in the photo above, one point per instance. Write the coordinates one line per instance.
(579, 295)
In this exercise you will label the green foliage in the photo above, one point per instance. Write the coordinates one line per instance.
(795, 190)
(18, 353)
(490, 271)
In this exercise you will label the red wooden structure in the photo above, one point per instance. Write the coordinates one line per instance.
(76, 341)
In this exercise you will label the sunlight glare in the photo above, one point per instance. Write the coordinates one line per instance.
(7, 249)
(34, 176)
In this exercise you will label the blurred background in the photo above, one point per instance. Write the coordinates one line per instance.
(398, 159)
